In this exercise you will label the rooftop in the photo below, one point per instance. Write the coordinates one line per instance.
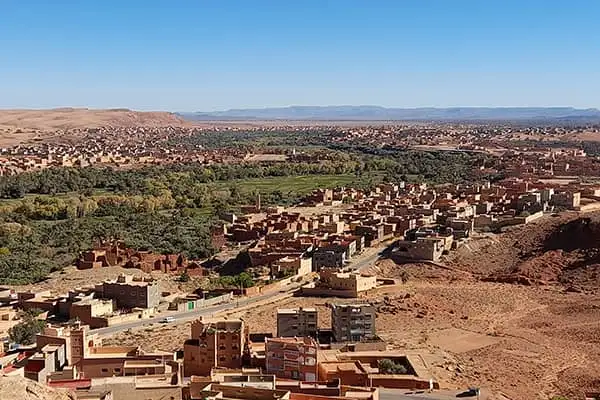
(295, 310)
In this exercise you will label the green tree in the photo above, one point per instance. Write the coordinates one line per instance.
(25, 331)
(244, 280)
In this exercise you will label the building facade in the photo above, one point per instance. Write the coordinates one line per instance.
(214, 344)
(353, 322)
(129, 292)
(297, 322)
(330, 257)
(292, 358)
(346, 281)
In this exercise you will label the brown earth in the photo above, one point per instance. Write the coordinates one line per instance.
(20, 388)
(564, 250)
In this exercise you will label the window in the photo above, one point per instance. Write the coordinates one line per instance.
(222, 347)
(234, 347)
(117, 370)
(234, 357)
(104, 370)
(222, 358)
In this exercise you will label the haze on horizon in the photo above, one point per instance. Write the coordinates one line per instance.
(219, 55)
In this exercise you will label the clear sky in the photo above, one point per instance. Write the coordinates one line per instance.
(181, 55)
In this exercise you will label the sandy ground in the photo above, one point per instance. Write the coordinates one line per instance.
(521, 341)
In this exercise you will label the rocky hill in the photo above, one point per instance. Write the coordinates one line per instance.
(562, 250)
(19, 388)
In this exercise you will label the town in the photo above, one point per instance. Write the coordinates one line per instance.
(322, 247)
(519, 149)
(299, 200)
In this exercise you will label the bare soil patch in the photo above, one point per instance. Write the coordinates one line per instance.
(461, 341)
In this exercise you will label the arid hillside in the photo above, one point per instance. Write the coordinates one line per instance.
(561, 250)
(69, 118)
(18, 126)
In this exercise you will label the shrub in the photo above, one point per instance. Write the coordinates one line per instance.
(387, 366)
(184, 277)
(404, 276)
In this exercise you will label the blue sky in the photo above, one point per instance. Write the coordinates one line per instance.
(207, 55)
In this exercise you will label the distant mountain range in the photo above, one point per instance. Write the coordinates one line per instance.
(375, 113)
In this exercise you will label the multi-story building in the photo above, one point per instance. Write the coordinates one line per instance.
(292, 358)
(353, 322)
(331, 257)
(130, 292)
(296, 322)
(214, 344)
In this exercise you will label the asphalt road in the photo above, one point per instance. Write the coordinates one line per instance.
(366, 262)
(180, 317)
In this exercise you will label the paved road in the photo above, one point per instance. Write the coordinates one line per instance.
(180, 317)
(366, 262)
(362, 263)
